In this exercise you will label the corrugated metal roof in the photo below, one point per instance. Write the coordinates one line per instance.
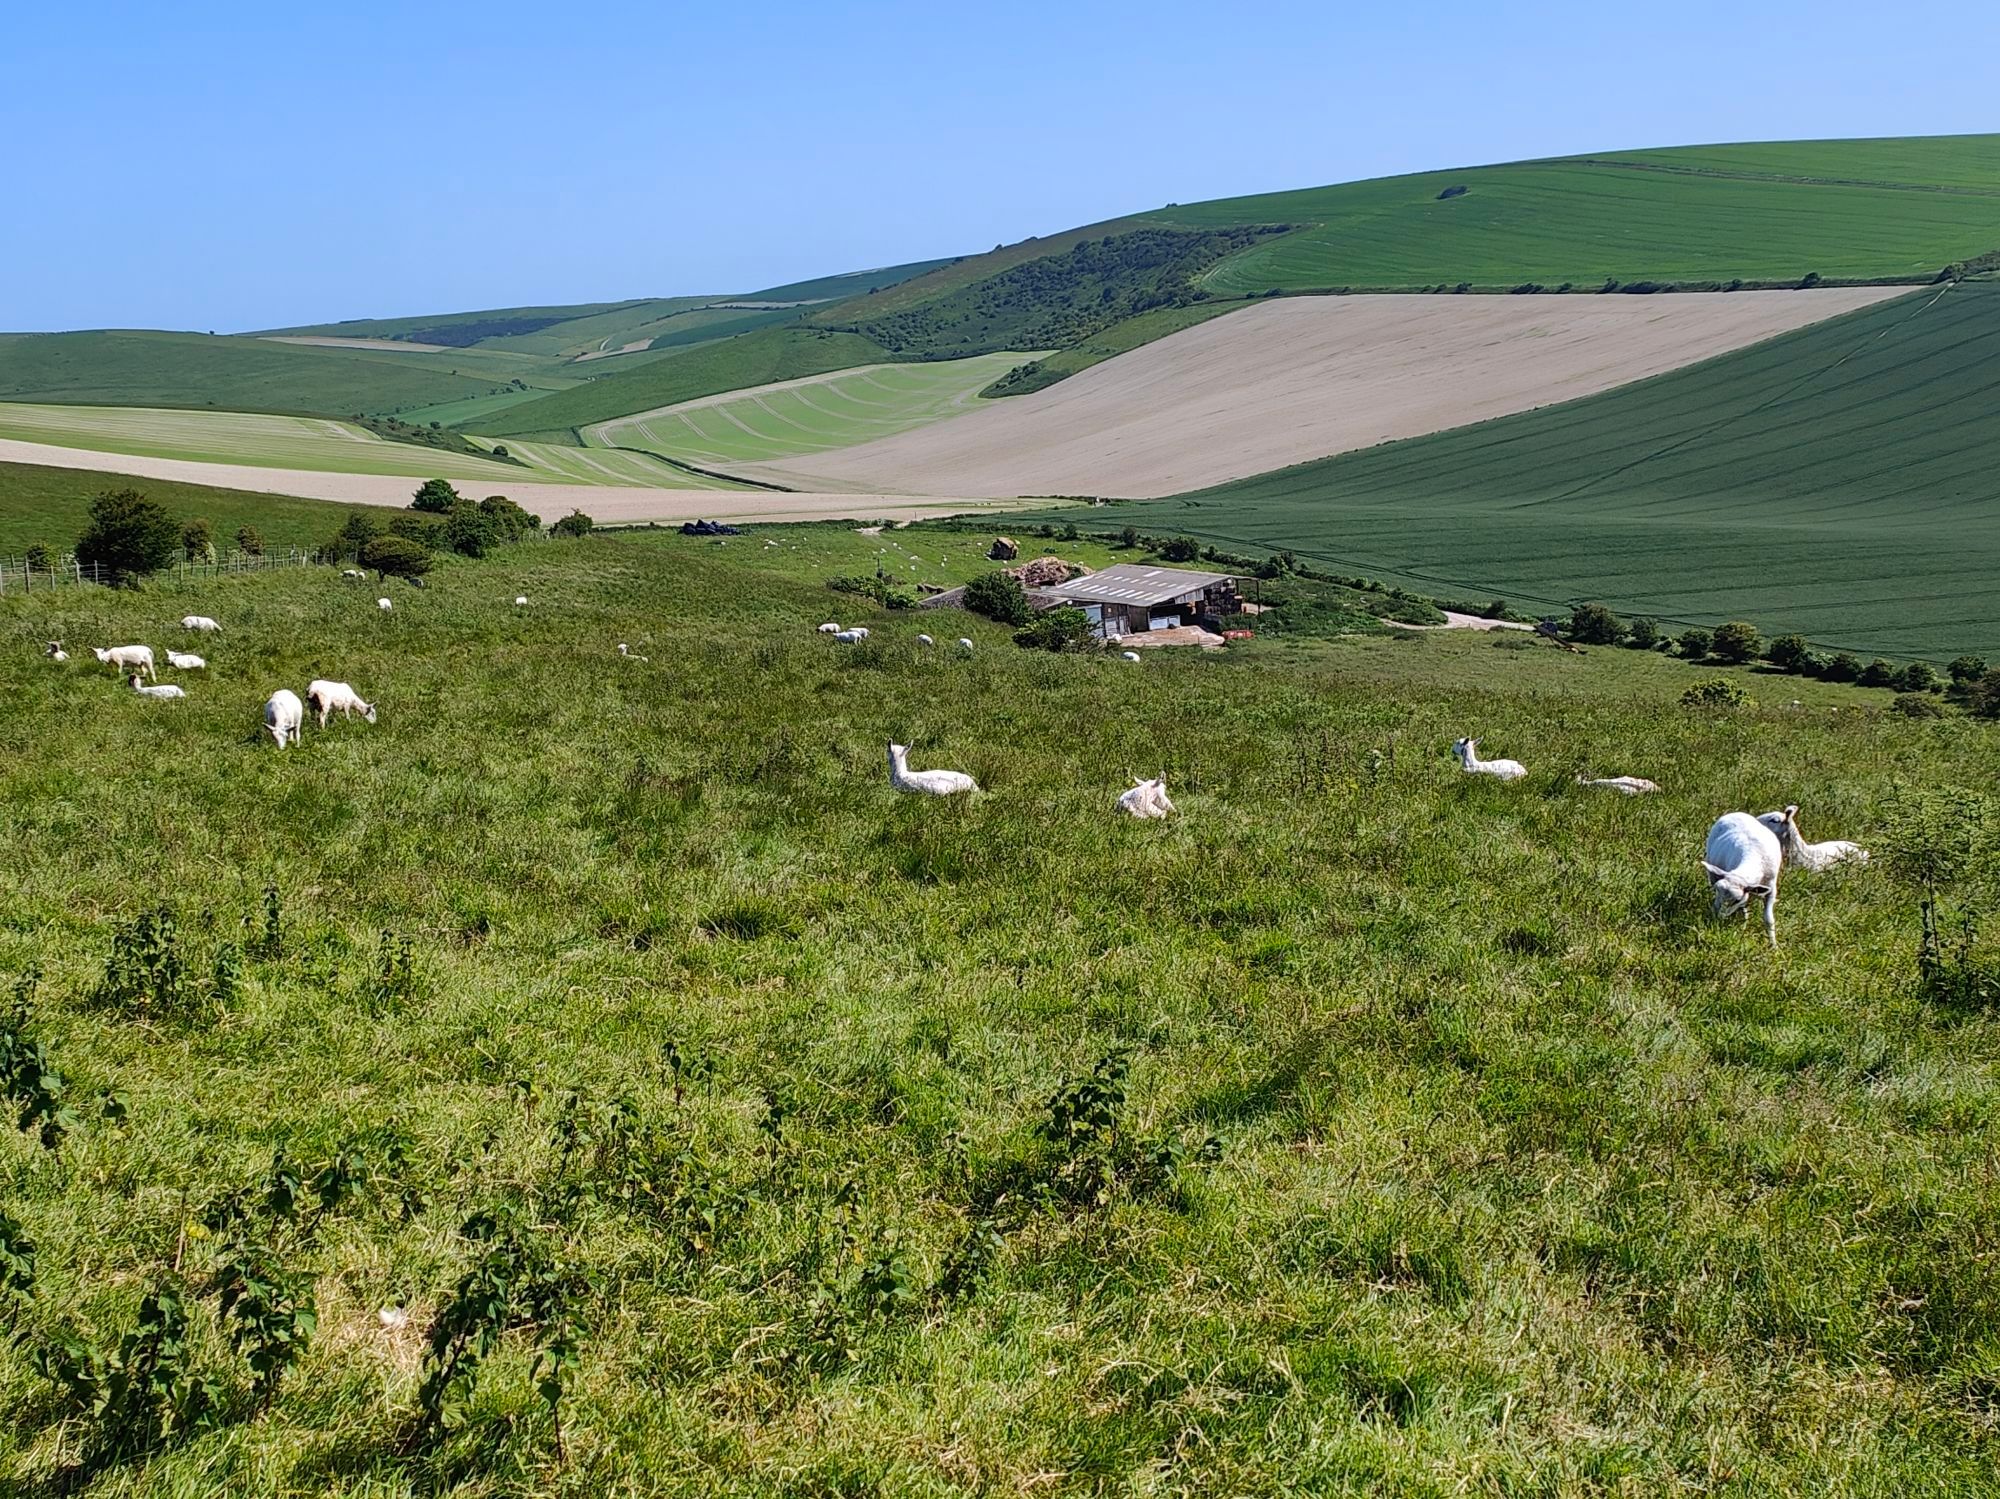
(1128, 583)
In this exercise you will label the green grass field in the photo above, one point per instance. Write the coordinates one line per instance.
(1836, 481)
(1863, 210)
(555, 463)
(1459, 1149)
(835, 411)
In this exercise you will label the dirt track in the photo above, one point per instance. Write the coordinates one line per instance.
(606, 504)
(1287, 381)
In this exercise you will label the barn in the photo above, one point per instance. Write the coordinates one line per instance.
(1127, 599)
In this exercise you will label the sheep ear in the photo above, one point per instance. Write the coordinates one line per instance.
(1713, 872)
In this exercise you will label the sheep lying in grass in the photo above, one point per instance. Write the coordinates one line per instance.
(352, 572)
(1146, 798)
(520, 599)
(1128, 655)
(1812, 856)
(1467, 751)
(626, 651)
(328, 698)
(1624, 785)
(1742, 859)
(55, 652)
(384, 604)
(127, 658)
(138, 685)
(925, 640)
(283, 715)
(925, 782)
(199, 622)
(965, 645)
(182, 661)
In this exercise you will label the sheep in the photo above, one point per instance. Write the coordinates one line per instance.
(1467, 751)
(925, 782)
(860, 632)
(965, 645)
(1146, 798)
(327, 696)
(282, 716)
(1624, 785)
(1813, 856)
(925, 640)
(625, 651)
(182, 661)
(520, 599)
(830, 628)
(384, 604)
(199, 622)
(1742, 858)
(1128, 655)
(55, 652)
(352, 572)
(850, 637)
(138, 685)
(127, 658)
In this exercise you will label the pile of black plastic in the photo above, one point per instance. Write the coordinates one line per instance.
(707, 528)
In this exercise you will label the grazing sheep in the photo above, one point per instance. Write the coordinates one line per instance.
(829, 628)
(1813, 856)
(860, 631)
(1742, 858)
(352, 572)
(55, 652)
(520, 599)
(182, 661)
(199, 622)
(1128, 655)
(850, 637)
(1624, 785)
(384, 604)
(1146, 799)
(925, 782)
(964, 644)
(282, 716)
(138, 685)
(925, 640)
(327, 697)
(1467, 751)
(127, 657)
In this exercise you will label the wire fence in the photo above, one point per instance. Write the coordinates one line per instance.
(21, 574)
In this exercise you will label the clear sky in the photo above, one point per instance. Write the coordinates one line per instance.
(232, 166)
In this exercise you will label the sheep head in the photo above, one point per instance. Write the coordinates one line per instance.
(1729, 894)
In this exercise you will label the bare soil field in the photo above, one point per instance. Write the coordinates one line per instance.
(605, 504)
(1284, 382)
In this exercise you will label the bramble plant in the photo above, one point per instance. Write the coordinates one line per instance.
(28, 1079)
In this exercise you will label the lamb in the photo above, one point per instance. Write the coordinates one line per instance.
(384, 604)
(282, 716)
(199, 622)
(127, 658)
(137, 684)
(965, 645)
(1128, 655)
(1467, 751)
(520, 599)
(925, 640)
(1624, 785)
(859, 631)
(1146, 798)
(182, 661)
(352, 572)
(829, 628)
(55, 652)
(626, 651)
(1813, 856)
(327, 696)
(925, 782)
(851, 637)
(1742, 859)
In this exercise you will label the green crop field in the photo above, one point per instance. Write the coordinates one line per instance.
(555, 463)
(1838, 481)
(1862, 210)
(1361, 1129)
(835, 411)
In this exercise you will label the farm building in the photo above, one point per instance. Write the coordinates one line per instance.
(1127, 599)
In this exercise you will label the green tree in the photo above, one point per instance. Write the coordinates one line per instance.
(1643, 634)
(1966, 669)
(436, 497)
(1736, 642)
(510, 521)
(998, 596)
(427, 531)
(1878, 673)
(1788, 653)
(394, 557)
(250, 540)
(1594, 624)
(1694, 644)
(575, 524)
(470, 531)
(1918, 676)
(1843, 668)
(1180, 549)
(1982, 697)
(198, 540)
(1129, 537)
(128, 536)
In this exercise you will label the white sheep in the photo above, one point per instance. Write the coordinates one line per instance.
(925, 640)
(850, 637)
(1146, 798)
(352, 572)
(964, 644)
(127, 658)
(329, 697)
(199, 622)
(627, 652)
(1128, 655)
(859, 631)
(1467, 751)
(138, 685)
(1742, 858)
(55, 652)
(182, 661)
(384, 604)
(282, 716)
(925, 782)
(1813, 856)
(520, 599)
(1624, 785)
(829, 628)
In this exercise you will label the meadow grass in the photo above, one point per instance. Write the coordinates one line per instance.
(1461, 1150)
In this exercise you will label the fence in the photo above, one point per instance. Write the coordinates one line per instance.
(16, 576)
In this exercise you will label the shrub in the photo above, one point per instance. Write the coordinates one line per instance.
(1878, 673)
(1788, 653)
(1843, 668)
(1056, 630)
(426, 531)
(470, 531)
(128, 537)
(998, 596)
(1983, 696)
(510, 522)
(435, 497)
(1918, 676)
(1735, 642)
(1129, 537)
(1693, 644)
(1594, 624)
(393, 556)
(39, 558)
(575, 524)
(250, 540)
(1642, 634)
(1716, 692)
(1966, 669)
(198, 540)
(1180, 549)
(1916, 705)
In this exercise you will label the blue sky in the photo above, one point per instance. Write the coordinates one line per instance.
(234, 166)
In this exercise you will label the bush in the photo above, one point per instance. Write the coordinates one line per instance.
(510, 521)
(1966, 670)
(470, 531)
(1983, 696)
(128, 537)
(1642, 634)
(1916, 705)
(198, 540)
(1735, 642)
(1788, 653)
(436, 497)
(1594, 624)
(1129, 538)
(39, 558)
(575, 524)
(395, 557)
(1843, 668)
(250, 540)
(1716, 692)
(998, 596)
(1693, 644)
(1918, 676)
(1878, 673)
(1056, 630)
(1180, 549)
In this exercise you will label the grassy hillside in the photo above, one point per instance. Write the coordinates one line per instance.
(1868, 210)
(1836, 481)
(1444, 1138)
(50, 506)
(759, 358)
